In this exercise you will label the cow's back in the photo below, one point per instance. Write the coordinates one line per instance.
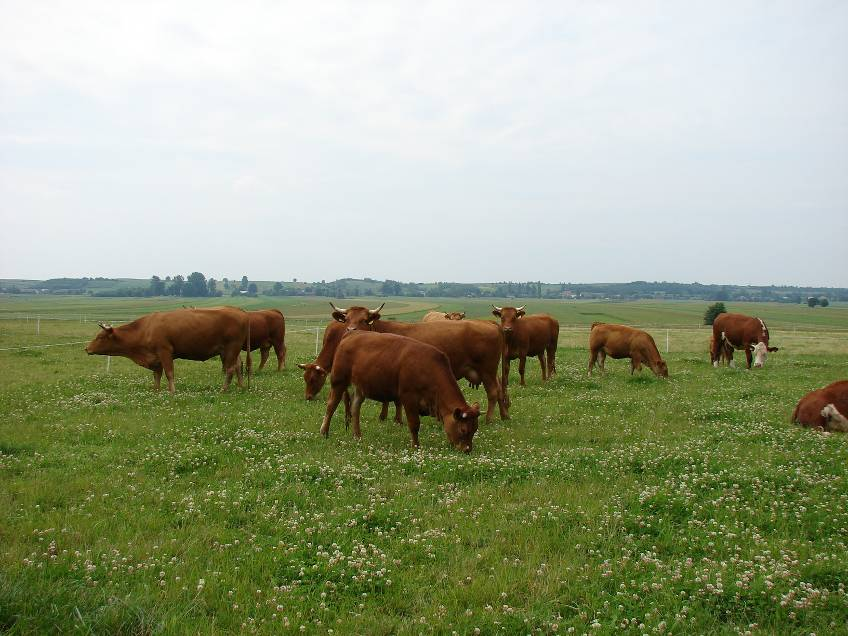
(809, 409)
(736, 327)
(196, 334)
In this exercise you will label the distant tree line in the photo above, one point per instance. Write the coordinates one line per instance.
(196, 285)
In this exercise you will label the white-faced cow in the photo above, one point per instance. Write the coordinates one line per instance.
(825, 409)
(154, 341)
(533, 335)
(387, 367)
(745, 333)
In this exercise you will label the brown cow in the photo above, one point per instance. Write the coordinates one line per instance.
(472, 346)
(737, 331)
(534, 335)
(620, 341)
(316, 373)
(386, 367)
(825, 409)
(268, 329)
(432, 316)
(154, 341)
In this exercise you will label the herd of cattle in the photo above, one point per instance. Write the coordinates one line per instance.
(416, 365)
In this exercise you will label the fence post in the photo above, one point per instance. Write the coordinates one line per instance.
(108, 363)
(38, 325)
(666, 340)
(317, 329)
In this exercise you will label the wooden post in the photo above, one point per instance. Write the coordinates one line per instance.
(317, 330)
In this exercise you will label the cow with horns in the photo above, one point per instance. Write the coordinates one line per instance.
(154, 341)
(473, 347)
(534, 335)
(744, 333)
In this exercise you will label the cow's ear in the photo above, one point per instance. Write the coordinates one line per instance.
(339, 316)
(520, 313)
(462, 314)
(447, 316)
(372, 318)
(773, 349)
(496, 312)
(458, 414)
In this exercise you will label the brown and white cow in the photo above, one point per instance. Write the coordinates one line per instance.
(472, 346)
(268, 329)
(825, 409)
(154, 341)
(737, 331)
(534, 335)
(315, 374)
(432, 316)
(620, 341)
(383, 367)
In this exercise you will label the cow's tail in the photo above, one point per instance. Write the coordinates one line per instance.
(249, 361)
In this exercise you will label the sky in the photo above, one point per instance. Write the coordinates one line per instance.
(426, 141)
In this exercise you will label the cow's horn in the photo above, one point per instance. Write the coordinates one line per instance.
(336, 308)
(497, 308)
(520, 308)
(376, 311)
(105, 326)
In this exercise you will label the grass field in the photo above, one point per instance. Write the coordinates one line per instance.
(611, 503)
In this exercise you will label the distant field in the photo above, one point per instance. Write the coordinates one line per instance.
(611, 503)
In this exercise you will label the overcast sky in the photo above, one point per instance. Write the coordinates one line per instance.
(464, 141)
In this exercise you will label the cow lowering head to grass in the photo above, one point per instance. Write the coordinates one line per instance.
(621, 341)
(382, 366)
(473, 347)
(744, 333)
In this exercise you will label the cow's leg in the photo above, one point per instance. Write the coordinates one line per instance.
(384, 411)
(355, 407)
(635, 363)
(264, 352)
(542, 363)
(280, 350)
(336, 394)
(157, 377)
(748, 356)
(412, 421)
(551, 353)
(168, 367)
(231, 363)
(505, 379)
(522, 361)
(398, 416)
(494, 395)
(593, 356)
(346, 400)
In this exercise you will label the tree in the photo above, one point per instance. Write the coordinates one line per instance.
(812, 301)
(196, 285)
(157, 286)
(252, 289)
(278, 289)
(212, 286)
(713, 311)
(177, 284)
(823, 302)
(244, 283)
(226, 282)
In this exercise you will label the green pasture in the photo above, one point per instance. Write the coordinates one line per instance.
(614, 503)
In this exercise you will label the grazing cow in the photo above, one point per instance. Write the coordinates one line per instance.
(825, 409)
(737, 331)
(620, 341)
(432, 316)
(315, 373)
(268, 329)
(534, 335)
(472, 346)
(154, 341)
(383, 367)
